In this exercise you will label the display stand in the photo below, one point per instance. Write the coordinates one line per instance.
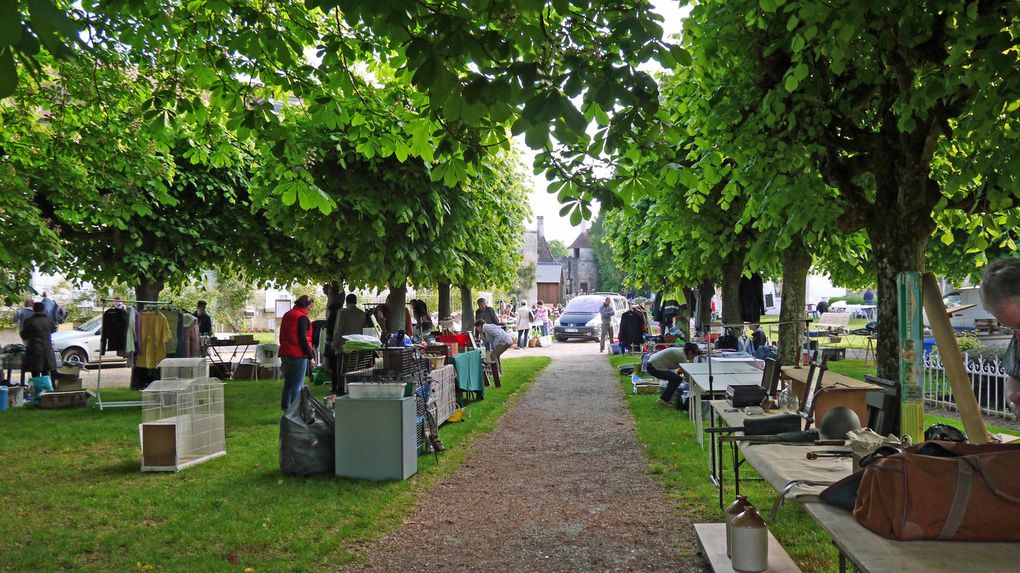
(99, 371)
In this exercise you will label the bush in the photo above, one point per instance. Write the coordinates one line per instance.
(969, 343)
(851, 299)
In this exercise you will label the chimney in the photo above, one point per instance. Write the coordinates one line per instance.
(541, 227)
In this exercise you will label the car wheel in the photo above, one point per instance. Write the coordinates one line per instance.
(561, 338)
(72, 354)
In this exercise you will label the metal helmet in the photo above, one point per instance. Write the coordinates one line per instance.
(944, 433)
(837, 422)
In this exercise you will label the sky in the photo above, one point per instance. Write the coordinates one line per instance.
(545, 204)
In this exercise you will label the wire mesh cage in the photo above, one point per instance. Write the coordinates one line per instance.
(184, 368)
(182, 423)
(443, 394)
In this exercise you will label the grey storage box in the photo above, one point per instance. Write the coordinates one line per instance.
(376, 439)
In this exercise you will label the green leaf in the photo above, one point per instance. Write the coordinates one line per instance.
(791, 83)
(10, 22)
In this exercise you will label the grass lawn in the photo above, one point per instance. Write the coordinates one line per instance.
(74, 497)
(675, 458)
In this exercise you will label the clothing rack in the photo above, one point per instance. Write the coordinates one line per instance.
(99, 374)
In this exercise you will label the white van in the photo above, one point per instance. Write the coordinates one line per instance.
(964, 320)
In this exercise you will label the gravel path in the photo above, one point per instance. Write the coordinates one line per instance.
(559, 485)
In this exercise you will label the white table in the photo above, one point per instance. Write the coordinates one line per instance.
(696, 368)
(700, 391)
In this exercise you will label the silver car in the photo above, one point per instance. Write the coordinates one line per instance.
(83, 342)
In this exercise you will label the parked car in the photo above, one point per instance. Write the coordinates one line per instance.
(581, 319)
(83, 342)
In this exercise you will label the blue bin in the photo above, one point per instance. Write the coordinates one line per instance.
(929, 346)
(3, 398)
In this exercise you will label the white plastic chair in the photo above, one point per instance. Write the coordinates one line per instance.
(267, 355)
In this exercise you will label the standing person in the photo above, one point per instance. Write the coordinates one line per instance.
(24, 314)
(349, 320)
(204, 320)
(663, 365)
(295, 349)
(542, 316)
(499, 339)
(524, 320)
(869, 296)
(606, 311)
(50, 307)
(36, 331)
(1000, 293)
(485, 312)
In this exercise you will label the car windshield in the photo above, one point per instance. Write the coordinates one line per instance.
(90, 324)
(584, 304)
(953, 299)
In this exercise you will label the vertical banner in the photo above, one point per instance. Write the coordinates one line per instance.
(911, 356)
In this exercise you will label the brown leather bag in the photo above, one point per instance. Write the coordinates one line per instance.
(943, 490)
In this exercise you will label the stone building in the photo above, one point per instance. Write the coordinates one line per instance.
(559, 278)
(580, 271)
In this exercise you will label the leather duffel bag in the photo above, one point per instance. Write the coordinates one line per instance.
(943, 490)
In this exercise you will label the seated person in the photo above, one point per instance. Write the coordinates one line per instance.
(728, 341)
(663, 365)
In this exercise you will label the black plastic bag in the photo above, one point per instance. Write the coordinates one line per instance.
(307, 437)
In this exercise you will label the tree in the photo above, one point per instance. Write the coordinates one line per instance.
(902, 109)
(558, 249)
(126, 209)
(611, 278)
(526, 274)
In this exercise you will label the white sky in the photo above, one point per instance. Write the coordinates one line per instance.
(545, 204)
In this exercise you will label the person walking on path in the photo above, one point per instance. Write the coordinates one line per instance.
(606, 311)
(524, 320)
(295, 349)
(663, 365)
(497, 338)
(37, 331)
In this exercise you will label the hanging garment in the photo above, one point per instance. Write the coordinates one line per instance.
(115, 325)
(752, 298)
(155, 335)
(173, 319)
(632, 329)
(131, 340)
(192, 344)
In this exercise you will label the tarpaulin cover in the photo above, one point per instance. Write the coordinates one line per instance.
(306, 438)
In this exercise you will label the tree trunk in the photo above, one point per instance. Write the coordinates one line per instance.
(796, 265)
(703, 318)
(687, 312)
(334, 295)
(898, 248)
(396, 303)
(148, 289)
(732, 268)
(467, 309)
(444, 300)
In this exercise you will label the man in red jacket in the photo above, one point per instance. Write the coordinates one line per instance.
(295, 349)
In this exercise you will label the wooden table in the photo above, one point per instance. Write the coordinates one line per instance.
(837, 390)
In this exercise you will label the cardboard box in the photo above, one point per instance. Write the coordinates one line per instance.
(54, 400)
(454, 347)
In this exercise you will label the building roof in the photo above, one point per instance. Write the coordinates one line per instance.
(582, 241)
(548, 273)
(544, 254)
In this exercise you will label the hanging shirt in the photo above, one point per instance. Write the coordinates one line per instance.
(155, 335)
(131, 341)
(115, 327)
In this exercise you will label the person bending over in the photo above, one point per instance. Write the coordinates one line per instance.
(663, 365)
